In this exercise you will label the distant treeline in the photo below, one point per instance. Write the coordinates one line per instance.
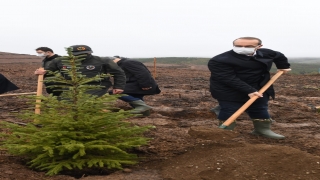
(177, 60)
(297, 68)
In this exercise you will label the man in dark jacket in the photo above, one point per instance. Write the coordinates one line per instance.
(238, 74)
(92, 66)
(48, 55)
(6, 85)
(139, 83)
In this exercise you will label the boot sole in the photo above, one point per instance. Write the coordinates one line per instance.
(257, 134)
(142, 114)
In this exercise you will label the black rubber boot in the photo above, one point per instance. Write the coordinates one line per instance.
(140, 107)
(230, 127)
(262, 128)
(216, 110)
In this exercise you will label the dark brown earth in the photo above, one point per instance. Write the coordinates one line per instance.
(186, 142)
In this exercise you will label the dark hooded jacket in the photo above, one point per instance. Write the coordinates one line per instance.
(137, 77)
(6, 85)
(234, 76)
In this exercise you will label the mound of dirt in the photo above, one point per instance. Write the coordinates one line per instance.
(11, 168)
(215, 134)
(241, 161)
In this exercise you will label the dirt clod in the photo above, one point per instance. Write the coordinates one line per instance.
(127, 170)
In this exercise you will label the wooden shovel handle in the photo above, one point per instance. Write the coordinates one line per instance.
(232, 118)
(39, 92)
(17, 94)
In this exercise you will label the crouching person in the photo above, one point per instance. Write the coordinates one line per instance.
(139, 83)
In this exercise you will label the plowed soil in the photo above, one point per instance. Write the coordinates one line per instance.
(186, 144)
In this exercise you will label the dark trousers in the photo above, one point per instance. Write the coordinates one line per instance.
(53, 92)
(98, 92)
(132, 97)
(258, 110)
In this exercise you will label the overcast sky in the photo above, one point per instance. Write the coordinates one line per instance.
(159, 28)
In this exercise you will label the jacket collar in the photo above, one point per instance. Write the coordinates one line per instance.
(121, 61)
(51, 57)
(259, 53)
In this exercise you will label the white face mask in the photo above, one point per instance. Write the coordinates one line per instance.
(41, 55)
(244, 50)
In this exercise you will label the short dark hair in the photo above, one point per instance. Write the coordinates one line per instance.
(249, 38)
(44, 49)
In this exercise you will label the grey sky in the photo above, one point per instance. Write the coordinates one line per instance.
(159, 28)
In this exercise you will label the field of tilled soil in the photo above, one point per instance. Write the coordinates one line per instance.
(183, 107)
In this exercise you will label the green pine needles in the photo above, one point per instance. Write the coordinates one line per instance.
(77, 130)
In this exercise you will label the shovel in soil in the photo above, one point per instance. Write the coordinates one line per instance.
(221, 134)
(232, 118)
